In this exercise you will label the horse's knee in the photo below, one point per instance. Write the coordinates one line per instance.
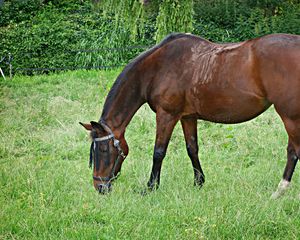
(294, 158)
(293, 154)
(159, 154)
(296, 155)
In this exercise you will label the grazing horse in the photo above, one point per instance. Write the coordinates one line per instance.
(185, 78)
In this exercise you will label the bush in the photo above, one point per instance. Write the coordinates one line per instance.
(174, 16)
(41, 42)
(287, 19)
(51, 40)
(15, 11)
(44, 34)
(228, 21)
(121, 24)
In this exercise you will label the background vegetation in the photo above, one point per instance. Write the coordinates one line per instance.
(50, 33)
(46, 187)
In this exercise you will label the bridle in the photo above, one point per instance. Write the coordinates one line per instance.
(94, 148)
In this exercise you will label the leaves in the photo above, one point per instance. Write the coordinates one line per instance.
(174, 16)
(47, 34)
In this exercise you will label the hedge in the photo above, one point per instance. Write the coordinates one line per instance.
(48, 34)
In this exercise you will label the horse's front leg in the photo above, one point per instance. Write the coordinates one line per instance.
(165, 124)
(189, 126)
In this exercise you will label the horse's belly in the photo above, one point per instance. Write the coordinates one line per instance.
(229, 108)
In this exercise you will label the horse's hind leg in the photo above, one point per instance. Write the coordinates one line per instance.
(293, 153)
(189, 126)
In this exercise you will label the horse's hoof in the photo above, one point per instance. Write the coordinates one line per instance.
(144, 192)
(152, 186)
(147, 191)
(275, 195)
(199, 181)
(198, 184)
(283, 186)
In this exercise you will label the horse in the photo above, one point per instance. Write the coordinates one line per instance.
(185, 78)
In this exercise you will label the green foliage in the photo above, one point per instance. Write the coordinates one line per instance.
(287, 19)
(122, 25)
(46, 185)
(52, 38)
(42, 42)
(220, 13)
(47, 34)
(128, 16)
(174, 16)
(14, 11)
(252, 26)
(230, 20)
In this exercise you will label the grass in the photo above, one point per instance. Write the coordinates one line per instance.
(46, 186)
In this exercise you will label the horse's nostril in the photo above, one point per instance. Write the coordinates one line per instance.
(104, 188)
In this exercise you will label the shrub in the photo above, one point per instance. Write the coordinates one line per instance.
(47, 33)
(174, 16)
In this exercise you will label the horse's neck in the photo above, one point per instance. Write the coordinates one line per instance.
(123, 100)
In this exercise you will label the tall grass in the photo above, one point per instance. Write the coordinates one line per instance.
(46, 186)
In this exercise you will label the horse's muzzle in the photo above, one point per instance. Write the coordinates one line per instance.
(104, 188)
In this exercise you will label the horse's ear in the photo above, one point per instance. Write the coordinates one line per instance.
(87, 126)
(96, 125)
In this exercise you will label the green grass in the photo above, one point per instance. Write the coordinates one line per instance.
(46, 186)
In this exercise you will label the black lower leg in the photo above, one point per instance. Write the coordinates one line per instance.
(292, 160)
(189, 127)
(158, 156)
(199, 177)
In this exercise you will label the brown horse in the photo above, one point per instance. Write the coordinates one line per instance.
(185, 78)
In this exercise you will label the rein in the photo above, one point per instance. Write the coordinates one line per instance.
(94, 147)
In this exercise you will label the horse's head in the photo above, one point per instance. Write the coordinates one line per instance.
(107, 153)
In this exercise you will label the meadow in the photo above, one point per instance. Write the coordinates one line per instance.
(46, 185)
